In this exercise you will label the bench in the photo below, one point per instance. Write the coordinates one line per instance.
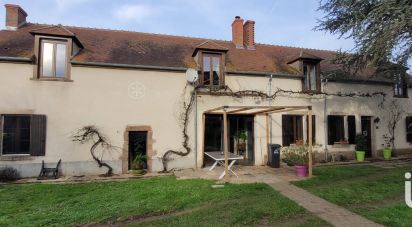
(45, 171)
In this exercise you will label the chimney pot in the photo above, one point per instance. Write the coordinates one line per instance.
(237, 32)
(15, 16)
(249, 34)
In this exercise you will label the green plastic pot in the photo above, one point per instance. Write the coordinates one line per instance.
(387, 153)
(360, 156)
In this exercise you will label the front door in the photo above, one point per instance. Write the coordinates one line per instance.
(367, 131)
(137, 145)
(240, 132)
(241, 138)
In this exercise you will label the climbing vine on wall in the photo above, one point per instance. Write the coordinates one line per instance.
(188, 105)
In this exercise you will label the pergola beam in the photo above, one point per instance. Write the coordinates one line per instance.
(239, 110)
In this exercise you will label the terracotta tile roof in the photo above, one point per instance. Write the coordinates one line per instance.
(57, 30)
(136, 48)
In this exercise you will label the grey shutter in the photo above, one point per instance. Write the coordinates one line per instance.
(409, 129)
(38, 135)
(1, 134)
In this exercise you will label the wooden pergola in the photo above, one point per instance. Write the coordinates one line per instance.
(260, 110)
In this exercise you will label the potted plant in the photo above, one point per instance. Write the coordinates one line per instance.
(241, 139)
(360, 147)
(298, 157)
(387, 148)
(138, 164)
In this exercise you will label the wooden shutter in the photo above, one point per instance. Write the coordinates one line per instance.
(351, 129)
(1, 134)
(331, 130)
(286, 124)
(409, 129)
(38, 135)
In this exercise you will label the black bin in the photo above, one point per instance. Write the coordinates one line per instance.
(274, 155)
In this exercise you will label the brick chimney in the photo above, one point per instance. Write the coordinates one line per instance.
(15, 16)
(237, 32)
(249, 34)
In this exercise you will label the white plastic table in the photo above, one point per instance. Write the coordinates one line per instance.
(219, 158)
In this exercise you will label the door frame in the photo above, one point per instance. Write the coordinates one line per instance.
(149, 146)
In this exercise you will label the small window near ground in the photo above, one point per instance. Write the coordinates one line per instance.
(311, 78)
(292, 129)
(53, 59)
(23, 134)
(336, 129)
(211, 74)
(409, 129)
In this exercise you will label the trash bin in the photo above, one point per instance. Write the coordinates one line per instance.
(274, 155)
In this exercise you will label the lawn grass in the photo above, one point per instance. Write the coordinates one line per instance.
(373, 192)
(76, 204)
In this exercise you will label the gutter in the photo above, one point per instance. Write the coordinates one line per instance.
(359, 81)
(16, 59)
(129, 66)
(265, 74)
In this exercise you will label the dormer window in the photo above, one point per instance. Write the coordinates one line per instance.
(211, 73)
(311, 80)
(53, 59)
(53, 47)
(400, 89)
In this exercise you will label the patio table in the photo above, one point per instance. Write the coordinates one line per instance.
(219, 158)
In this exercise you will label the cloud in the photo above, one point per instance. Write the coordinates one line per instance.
(135, 13)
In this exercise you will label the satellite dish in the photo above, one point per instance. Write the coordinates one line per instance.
(191, 75)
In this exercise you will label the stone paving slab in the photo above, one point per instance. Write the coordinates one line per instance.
(336, 215)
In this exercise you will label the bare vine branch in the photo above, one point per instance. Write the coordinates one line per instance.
(90, 133)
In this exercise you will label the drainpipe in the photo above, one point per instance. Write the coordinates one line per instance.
(325, 116)
(270, 104)
(195, 128)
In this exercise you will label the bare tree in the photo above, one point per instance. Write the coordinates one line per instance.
(394, 115)
(91, 133)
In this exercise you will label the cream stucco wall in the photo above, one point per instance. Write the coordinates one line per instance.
(101, 97)
(98, 97)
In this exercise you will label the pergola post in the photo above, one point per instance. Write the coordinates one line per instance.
(225, 143)
(310, 139)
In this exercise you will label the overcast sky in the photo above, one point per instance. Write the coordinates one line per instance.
(280, 22)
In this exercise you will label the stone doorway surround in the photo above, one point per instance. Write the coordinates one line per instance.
(125, 151)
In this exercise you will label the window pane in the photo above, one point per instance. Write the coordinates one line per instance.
(61, 59)
(313, 78)
(306, 77)
(47, 59)
(292, 129)
(206, 69)
(216, 70)
(16, 135)
(336, 130)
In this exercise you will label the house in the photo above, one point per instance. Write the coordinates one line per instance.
(135, 86)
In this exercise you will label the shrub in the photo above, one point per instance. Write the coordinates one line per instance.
(360, 140)
(295, 155)
(9, 174)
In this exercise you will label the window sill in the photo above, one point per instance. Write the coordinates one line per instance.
(400, 97)
(51, 79)
(340, 145)
(15, 157)
(315, 92)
